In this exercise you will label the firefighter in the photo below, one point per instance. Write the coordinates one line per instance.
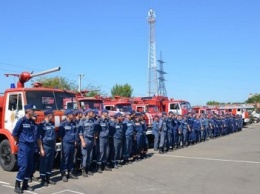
(24, 135)
(146, 142)
(104, 128)
(156, 132)
(67, 135)
(140, 140)
(175, 133)
(118, 133)
(184, 128)
(179, 134)
(129, 135)
(204, 128)
(241, 122)
(77, 156)
(46, 141)
(96, 148)
(216, 126)
(170, 131)
(197, 125)
(36, 157)
(163, 132)
(211, 126)
(190, 123)
(87, 137)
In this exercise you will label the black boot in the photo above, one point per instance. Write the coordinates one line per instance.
(84, 172)
(26, 186)
(17, 188)
(43, 182)
(49, 181)
(88, 170)
(72, 176)
(106, 168)
(160, 150)
(64, 177)
(100, 168)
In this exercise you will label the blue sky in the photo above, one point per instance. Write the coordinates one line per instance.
(211, 46)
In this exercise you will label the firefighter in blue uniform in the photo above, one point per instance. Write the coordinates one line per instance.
(196, 127)
(156, 132)
(170, 131)
(184, 128)
(234, 123)
(146, 143)
(216, 126)
(240, 121)
(203, 134)
(46, 141)
(104, 129)
(163, 132)
(211, 126)
(67, 135)
(87, 134)
(177, 123)
(24, 135)
(206, 126)
(175, 131)
(190, 123)
(77, 156)
(140, 140)
(129, 135)
(36, 157)
(96, 148)
(118, 133)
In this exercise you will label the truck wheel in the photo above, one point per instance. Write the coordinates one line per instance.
(7, 159)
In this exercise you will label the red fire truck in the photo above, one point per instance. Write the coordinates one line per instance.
(83, 102)
(180, 107)
(12, 103)
(117, 104)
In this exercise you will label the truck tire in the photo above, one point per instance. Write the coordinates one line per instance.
(7, 159)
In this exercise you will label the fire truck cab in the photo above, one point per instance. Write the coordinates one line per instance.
(12, 108)
(179, 107)
(117, 104)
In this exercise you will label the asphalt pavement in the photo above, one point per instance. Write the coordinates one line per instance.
(225, 165)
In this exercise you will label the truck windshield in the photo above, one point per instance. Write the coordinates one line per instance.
(186, 106)
(152, 109)
(49, 99)
(123, 107)
(93, 104)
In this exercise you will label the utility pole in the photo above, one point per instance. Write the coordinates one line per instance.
(80, 78)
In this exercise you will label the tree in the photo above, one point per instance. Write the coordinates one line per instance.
(58, 82)
(254, 99)
(122, 90)
(94, 91)
(213, 103)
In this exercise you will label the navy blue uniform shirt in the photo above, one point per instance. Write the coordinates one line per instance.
(24, 130)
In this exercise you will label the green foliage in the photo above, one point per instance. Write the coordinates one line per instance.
(122, 90)
(57, 82)
(213, 103)
(254, 99)
(94, 91)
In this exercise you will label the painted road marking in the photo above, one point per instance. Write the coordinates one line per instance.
(68, 191)
(13, 188)
(210, 159)
(1, 182)
(8, 186)
(30, 192)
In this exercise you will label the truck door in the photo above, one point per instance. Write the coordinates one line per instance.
(175, 108)
(14, 109)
